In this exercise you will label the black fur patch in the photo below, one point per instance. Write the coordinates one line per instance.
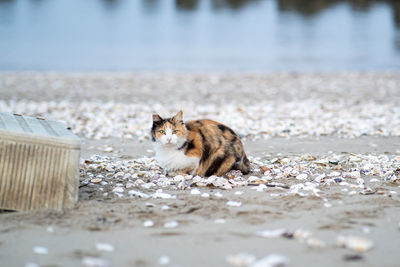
(215, 165)
(206, 148)
(223, 129)
(188, 127)
(189, 146)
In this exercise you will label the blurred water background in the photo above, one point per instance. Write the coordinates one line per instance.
(199, 35)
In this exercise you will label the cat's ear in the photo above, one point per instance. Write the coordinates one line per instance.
(179, 116)
(157, 118)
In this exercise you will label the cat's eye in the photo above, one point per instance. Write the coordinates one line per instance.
(174, 131)
(161, 131)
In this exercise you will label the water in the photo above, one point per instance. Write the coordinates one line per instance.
(209, 35)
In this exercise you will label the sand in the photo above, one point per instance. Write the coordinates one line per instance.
(209, 231)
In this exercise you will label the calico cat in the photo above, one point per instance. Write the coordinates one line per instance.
(199, 147)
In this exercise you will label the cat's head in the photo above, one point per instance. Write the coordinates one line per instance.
(169, 132)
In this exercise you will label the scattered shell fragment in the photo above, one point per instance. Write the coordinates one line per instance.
(272, 260)
(241, 259)
(171, 224)
(358, 244)
(272, 233)
(94, 262)
(315, 243)
(40, 250)
(195, 191)
(232, 203)
(104, 247)
(148, 223)
(302, 176)
(164, 260)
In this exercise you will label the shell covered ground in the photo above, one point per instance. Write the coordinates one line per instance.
(323, 191)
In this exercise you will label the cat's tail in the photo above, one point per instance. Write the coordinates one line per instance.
(243, 165)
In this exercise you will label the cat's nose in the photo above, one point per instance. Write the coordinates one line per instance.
(169, 139)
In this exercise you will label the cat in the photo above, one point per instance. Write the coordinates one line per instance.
(198, 147)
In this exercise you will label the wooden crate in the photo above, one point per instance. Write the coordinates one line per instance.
(39, 164)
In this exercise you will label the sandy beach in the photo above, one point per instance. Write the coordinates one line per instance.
(323, 191)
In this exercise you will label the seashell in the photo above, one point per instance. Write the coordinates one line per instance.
(264, 169)
(148, 223)
(232, 203)
(164, 260)
(95, 180)
(271, 260)
(118, 190)
(272, 233)
(205, 195)
(302, 176)
(334, 174)
(315, 243)
(218, 195)
(195, 191)
(358, 244)
(307, 157)
(40, 250)
(160, 194)
(119, 175)
(171, 224)
(94, 262)
(108, 149)
(104, 247)
(241, 259)
(164, 207)
(302, 234)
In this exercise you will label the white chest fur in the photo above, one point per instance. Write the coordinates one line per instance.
(172, 159)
